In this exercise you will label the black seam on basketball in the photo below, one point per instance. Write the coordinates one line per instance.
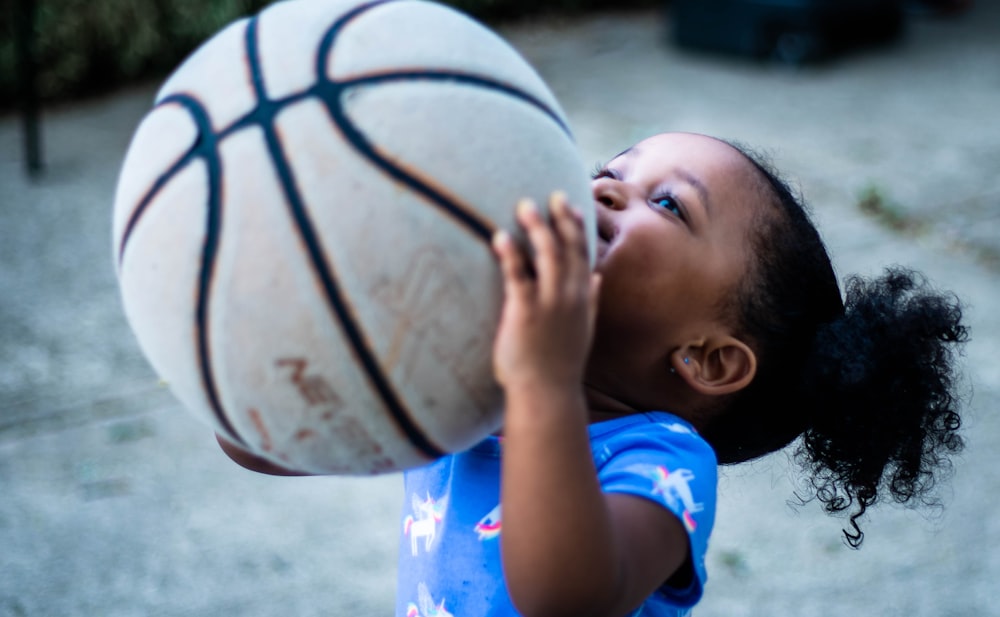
(462, 213)
(150, 195)
(358, 342)
(330, 93)
(206, 148)
(459, 77)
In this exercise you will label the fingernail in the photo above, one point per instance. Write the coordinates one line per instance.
(525, 206)
(500, 237)
(559, 201)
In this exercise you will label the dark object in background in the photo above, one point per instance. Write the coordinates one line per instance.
(27, 77)
(937, 8)
(789, 31)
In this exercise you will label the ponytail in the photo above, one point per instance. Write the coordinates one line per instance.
(879, 387)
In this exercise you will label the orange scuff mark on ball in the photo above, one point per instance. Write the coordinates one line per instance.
(258, 423)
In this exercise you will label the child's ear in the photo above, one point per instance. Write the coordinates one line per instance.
(715, 366)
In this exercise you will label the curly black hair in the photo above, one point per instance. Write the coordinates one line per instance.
(869, 381)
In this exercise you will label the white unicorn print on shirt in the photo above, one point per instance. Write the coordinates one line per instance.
(427, 607)
(675, 487)
(427, 514)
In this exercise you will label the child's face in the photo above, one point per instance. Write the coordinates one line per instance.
(674, 214)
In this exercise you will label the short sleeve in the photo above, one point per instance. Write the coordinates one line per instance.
(665, 461)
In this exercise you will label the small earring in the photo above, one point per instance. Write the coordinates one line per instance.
(687, 360)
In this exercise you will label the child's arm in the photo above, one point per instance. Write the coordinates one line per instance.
(568, 548)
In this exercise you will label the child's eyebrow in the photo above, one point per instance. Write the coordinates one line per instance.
(698, 186)
(629, 151)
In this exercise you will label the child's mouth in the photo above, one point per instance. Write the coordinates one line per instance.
(605, 234)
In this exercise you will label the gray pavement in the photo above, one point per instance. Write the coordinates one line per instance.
(114, 502)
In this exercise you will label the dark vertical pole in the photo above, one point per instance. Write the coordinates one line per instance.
(27, 64)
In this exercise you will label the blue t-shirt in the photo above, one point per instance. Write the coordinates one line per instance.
(449, 557)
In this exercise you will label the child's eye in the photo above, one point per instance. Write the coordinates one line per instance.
(669, 204)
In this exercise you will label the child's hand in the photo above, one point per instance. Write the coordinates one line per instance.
(549, 307)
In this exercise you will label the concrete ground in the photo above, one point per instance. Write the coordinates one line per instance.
(113, 502)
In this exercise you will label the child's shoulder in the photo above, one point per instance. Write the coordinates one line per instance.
(645, 422)
(650, 431)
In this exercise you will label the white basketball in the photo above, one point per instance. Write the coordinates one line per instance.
(302, 228)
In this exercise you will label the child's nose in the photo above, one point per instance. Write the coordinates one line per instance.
(607, 194)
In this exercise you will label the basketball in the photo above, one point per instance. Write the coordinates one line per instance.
(302, 228)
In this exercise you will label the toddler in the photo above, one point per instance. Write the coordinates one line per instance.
(711, 330)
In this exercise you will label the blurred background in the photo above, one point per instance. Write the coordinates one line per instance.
(113, 501)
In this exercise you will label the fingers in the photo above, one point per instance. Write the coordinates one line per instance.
(559, 265)
(568, 224)
(545, 245)
(513, 264)
(550, 298)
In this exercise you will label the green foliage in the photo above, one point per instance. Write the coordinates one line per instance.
(875, 202)
(84, 47)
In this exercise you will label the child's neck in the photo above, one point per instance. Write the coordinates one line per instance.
(602, 406)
